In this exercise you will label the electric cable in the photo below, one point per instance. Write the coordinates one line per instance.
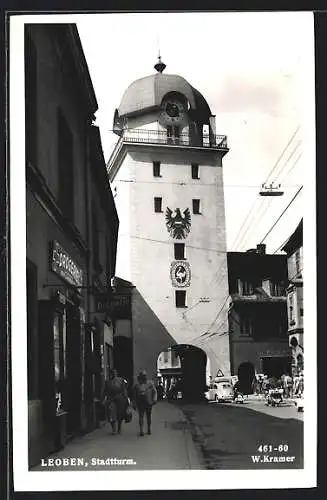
(255, 201)
(281, 215)
(270, 201)
(243, 242)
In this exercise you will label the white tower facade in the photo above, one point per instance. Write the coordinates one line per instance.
(166, 172)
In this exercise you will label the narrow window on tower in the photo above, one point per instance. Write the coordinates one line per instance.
(195, 171)
(180, 298)
(179, 251)
(156, 169)
(176, 131)
(173, 133)
(196, 206)
(158, 204)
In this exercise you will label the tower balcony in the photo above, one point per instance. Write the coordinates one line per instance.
(161, 137)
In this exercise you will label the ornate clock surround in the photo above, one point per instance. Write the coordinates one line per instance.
(174, 110)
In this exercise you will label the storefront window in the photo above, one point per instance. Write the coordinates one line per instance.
(59, 358)
(56, 346)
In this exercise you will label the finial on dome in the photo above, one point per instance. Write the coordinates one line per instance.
(160, 66)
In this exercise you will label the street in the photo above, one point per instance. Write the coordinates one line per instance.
(192, 436)
(247, 436)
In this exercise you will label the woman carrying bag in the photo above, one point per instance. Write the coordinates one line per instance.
(116, 400)
(144, 397)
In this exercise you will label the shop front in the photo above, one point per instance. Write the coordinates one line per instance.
(62, 339)
(275, 363)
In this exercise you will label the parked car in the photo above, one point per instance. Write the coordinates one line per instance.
(220, 390)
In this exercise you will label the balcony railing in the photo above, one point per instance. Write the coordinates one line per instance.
(161, 137)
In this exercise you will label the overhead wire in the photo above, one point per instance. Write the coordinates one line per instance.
(281, 215)
(183, 183)
(242, 227)
(199, 301)
(204, 337)
(169, 243)
(290, 170)
(283, 152)
(268, 204)
(241, 230)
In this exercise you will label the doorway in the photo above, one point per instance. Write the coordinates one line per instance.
(246, 375)
(73, 360)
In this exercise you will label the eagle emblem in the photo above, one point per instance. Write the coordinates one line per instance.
(178, 225)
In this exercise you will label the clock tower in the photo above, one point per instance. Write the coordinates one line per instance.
(166, 173)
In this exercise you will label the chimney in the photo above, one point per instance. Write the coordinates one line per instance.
(261, 249)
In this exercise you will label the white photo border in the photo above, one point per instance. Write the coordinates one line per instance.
(25, 480)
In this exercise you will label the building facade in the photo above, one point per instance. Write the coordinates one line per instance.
(294, 251)
(258, 315)
(121, 312)
(68, 262)
(166, 172)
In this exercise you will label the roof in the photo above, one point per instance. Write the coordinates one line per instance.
(147, 93)
(295, 241)
(253, 265)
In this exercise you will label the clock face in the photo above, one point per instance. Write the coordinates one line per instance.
(172, 109)
(173, 112)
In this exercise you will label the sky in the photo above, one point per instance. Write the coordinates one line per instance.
(256, 71)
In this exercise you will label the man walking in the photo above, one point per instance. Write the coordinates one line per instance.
(144, 397)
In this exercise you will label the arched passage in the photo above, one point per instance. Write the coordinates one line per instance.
(246, 375)
(187, 366)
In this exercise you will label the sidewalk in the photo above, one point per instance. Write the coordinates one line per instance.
(169, 447)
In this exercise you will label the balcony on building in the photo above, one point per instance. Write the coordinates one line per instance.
(160, 137)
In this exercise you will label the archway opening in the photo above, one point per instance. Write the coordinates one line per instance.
(246, 374)
(182, 369)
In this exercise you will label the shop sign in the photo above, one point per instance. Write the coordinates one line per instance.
(274, 353)
(118, 305)
(102, 303)
(64, 265)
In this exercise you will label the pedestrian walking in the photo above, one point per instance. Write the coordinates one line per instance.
(260, 384)
(116, 400)
(287, 385)
(160, 391)
(144, 397)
